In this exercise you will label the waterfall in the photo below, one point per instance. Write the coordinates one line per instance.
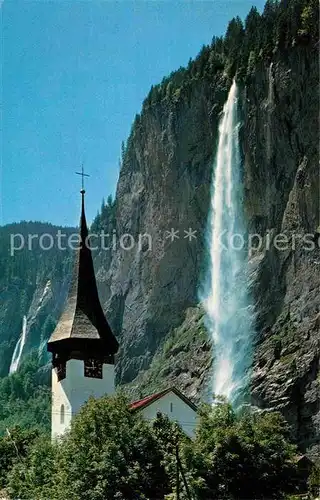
(270, 104)
(226, 297)
(19, 347)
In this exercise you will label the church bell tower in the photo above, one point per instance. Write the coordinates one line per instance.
(82, 345)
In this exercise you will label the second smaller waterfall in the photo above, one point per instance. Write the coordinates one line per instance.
(19, 348)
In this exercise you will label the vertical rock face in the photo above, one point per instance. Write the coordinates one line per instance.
(280, 143)
(164, 186)
(165, 183)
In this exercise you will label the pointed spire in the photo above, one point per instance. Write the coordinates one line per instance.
(83, 221)
(83, 330)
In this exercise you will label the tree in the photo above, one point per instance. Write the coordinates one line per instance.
(109, 453)
(234, 38)
(25, 397)
(103, 204)
(252, 31)
(123, 146)
(314, 480)
(122, 461)
(112, 453)
(168, 435)
(243, 456)
(14, 448)
(309, 21)
(269, 27)
(109, 201)
(33, 476)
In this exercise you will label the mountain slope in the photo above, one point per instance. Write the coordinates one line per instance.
(33, 283)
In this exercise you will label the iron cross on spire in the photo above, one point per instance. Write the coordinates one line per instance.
(83, 175)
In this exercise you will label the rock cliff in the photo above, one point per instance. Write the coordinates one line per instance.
(165, 183)
(280, 144)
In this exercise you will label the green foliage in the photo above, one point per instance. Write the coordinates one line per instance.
(168, 436)
(241, 456)
(14, 447)
(122, 449)
(33, 470)
(252, 31)
(233, 42)
(314, 480)
(309, 20)
(25, 397)
(111, 453)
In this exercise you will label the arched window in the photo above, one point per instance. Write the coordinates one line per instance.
(62, 414)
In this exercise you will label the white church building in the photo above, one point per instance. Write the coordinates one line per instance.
(83, 349)
(170, 402)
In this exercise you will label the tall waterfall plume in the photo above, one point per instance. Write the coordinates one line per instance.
(226, 291)
(19, 347)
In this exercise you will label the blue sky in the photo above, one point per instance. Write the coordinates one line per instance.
(74, 74)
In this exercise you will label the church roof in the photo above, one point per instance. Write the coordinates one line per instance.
(143, 403)
(83, 321)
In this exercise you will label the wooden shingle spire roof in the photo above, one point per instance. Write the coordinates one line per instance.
(83, 327)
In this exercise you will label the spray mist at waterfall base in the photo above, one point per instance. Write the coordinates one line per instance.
(229, 315)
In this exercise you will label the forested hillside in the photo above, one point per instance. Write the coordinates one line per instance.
(33, 284)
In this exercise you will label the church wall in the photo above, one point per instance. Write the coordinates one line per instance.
(176, 409)
(71, 393)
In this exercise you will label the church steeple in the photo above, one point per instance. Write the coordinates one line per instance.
(82, 345)
(83, 331)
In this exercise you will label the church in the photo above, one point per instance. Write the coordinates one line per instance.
(83, 351)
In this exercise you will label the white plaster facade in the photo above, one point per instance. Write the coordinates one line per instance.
(71, 393)
(176, 409)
